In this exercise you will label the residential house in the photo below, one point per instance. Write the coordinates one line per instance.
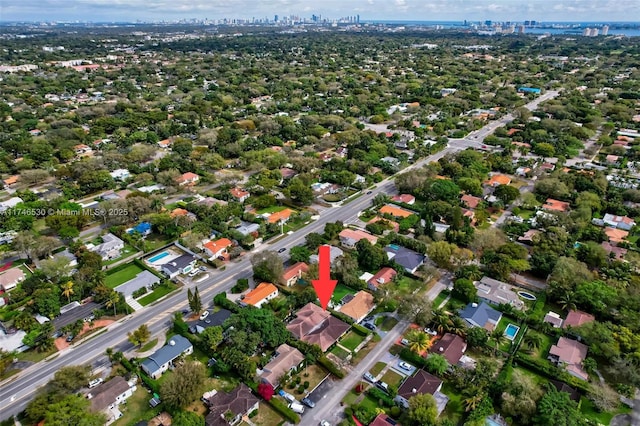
(547, 167)
(383, 420)
(419, 384)
(120, 174)
(9, 204)
(612, 159)
(359, 306)
(577, 318)
(556, 206)
(10, 278)
(471, 201)
(614, 252)
(395, 226)
(404, 198)
(11, 180)
(82, 149)
(293, 273)
(215, 319)
(570, 354)
(215, 249)
(239, 194)
(165, 143)
(498, 179)
(280, 217)
(228, 408)
(451, 346)
(106, 397)
(408, 259)
(180, 265)
(316, 326)
(616, 236)
(143, 228)
(528, 236)
(481, 315)
(383, 276)
(260, 295)
(188, 178)
(161, 360)
(248, 228)
(287, 173)
(145, 279)
(180, 212)
(553, 319)
(523, 171)
(110, 248)
(621, 222)
(392, 161)
(498, 292)
(286, 359)
(395, 211)
(350, 237)
(334, 253)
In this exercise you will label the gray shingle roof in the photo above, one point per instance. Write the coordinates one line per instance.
(167, 353)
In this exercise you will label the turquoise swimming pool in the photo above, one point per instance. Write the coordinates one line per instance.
(158, 257)
(511, 331)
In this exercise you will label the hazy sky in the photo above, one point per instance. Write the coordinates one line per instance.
(128, 10)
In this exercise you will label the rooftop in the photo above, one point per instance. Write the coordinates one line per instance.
(258, 294)
(358, 307)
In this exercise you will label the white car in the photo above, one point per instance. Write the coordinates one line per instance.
(204, 315)
(405, 366)
(324, 423)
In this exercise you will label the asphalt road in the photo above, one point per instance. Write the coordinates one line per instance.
(17, 391)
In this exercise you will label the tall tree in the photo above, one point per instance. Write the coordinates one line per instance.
(67, 290)
(267, 266)
(423, 410)
(184, 386)
(140, 335)
(419, 341)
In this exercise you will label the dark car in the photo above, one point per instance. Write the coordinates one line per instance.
(369, 192)
(70, 337)
(309, 403)
(370, 326)
(282, 250)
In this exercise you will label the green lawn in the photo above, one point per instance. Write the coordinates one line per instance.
(454, 410)
(350, 398)
(148, 346)
(392, 378)
(136, 408)
(440, 298)
(266, 416)
(591, 412)
(340, 353)
(502, 325)
(272, 209)
(156, 294)
(351, 340)
(155, 241)
(341, 291)
(128, 250)
(388, 323)
(407, 285)
(362, 353)
(369, 402)
(121, 276)
(376, 369)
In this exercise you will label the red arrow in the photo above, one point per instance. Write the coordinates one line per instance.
(325, 285)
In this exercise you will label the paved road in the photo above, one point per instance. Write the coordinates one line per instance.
(328, 408)
(17, 391)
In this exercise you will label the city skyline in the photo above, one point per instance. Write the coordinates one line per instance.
(431, 10)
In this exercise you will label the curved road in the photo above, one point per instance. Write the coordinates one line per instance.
(17, 391)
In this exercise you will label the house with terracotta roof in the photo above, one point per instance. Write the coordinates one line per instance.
(280, 217)
(528, 236)
(11, 180)
(228, 408)
(10, 278)
(188, 178)
(577, 318)
(239, 194)
(383, 276)
(556, 205)
(612, 159)
(419, 384)
(82, 149)
(350, 237)
(570, 354)
(215, 249)
(179, 212)
(470, 201)
(615, 236)
(383, 420)
(165, 143)
(259, 295)
(498, 179)
(620, 222)
(451, 346)
(293, 273)
(286, 358)
(395, 211)
(359, 306)
(316, 326)
(614, 252)
(404, 198)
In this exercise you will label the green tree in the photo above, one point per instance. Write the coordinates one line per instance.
(187, 418)
(506, 193)
(299, 192)
(477, 337)
(464, 290)
(436, 364)
(440, 253)
(184, 386)
(212, 337)
(299, 254)
(140, 335)
(267, 266)
(72, 410)
(113, 300)
(67, 290)
(423, 410)
(419, 341)
(370, 258)
(195, 303)
(314, 240)
(556, 408)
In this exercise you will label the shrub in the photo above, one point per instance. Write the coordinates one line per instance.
(300, 390)
(284, 411)
(241, 285)
(331, 367)
(306, 384)
(357, 328)
(380, 396)
(139, 292)
(253, 414)
(412, 357)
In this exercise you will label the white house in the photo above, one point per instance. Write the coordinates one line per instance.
(163, 358)
(120, 174)
(108, 396)
(111, 247)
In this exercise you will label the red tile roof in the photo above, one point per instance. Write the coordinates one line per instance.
(383, 276)
(258, 294)
(282, 215)
(295, 270)
(577, 318)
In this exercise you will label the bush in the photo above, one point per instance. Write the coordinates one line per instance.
(412, 357)
(380, 396)
(151, 384)
(300, 390)
(546, 369)
(221, 300)
(284, 411)
(139, 292)
(331, 367)
(357, 328)
(241, 285)
(342, 317)
(253, 414)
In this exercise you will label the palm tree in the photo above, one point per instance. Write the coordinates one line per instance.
(532, 341)
(458, 326)
(113, 300)
(440, 320)
(473, 398)
(419, 341)
(497, 337)
(67, 290)
(567, 301)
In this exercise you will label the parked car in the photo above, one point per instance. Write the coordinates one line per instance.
(194, 273)
(430, 331)
(370, 326)
(204, 315)
(369, 377)
(297, 407)
(324, 423)
(405, 366)
(404, 342)
(202, 268)
(70, 337)
(369, 192)
(309, 403)
(287, 396)
(95, 382)
(382, 385)
(282, 250)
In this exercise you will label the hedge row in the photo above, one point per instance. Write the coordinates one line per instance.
(152, 384)
(546, 369)
(331, 367)
(360, 330)
(412, 357)
(381, 396)
(221, 300)
(285, 411)
(342, 317)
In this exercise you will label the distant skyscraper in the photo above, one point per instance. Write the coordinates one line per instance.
(594, 32)
(586, 32)
(527, 23)
(358, 19)
(520, 29)
(605, 30)
(275, 18)
(487, 23)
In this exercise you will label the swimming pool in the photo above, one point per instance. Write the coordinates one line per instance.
(158, 257)
(511, 331)
(526, 295)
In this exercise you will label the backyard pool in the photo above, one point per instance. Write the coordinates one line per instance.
(158, 256)
(511, 331)
(526, 295)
